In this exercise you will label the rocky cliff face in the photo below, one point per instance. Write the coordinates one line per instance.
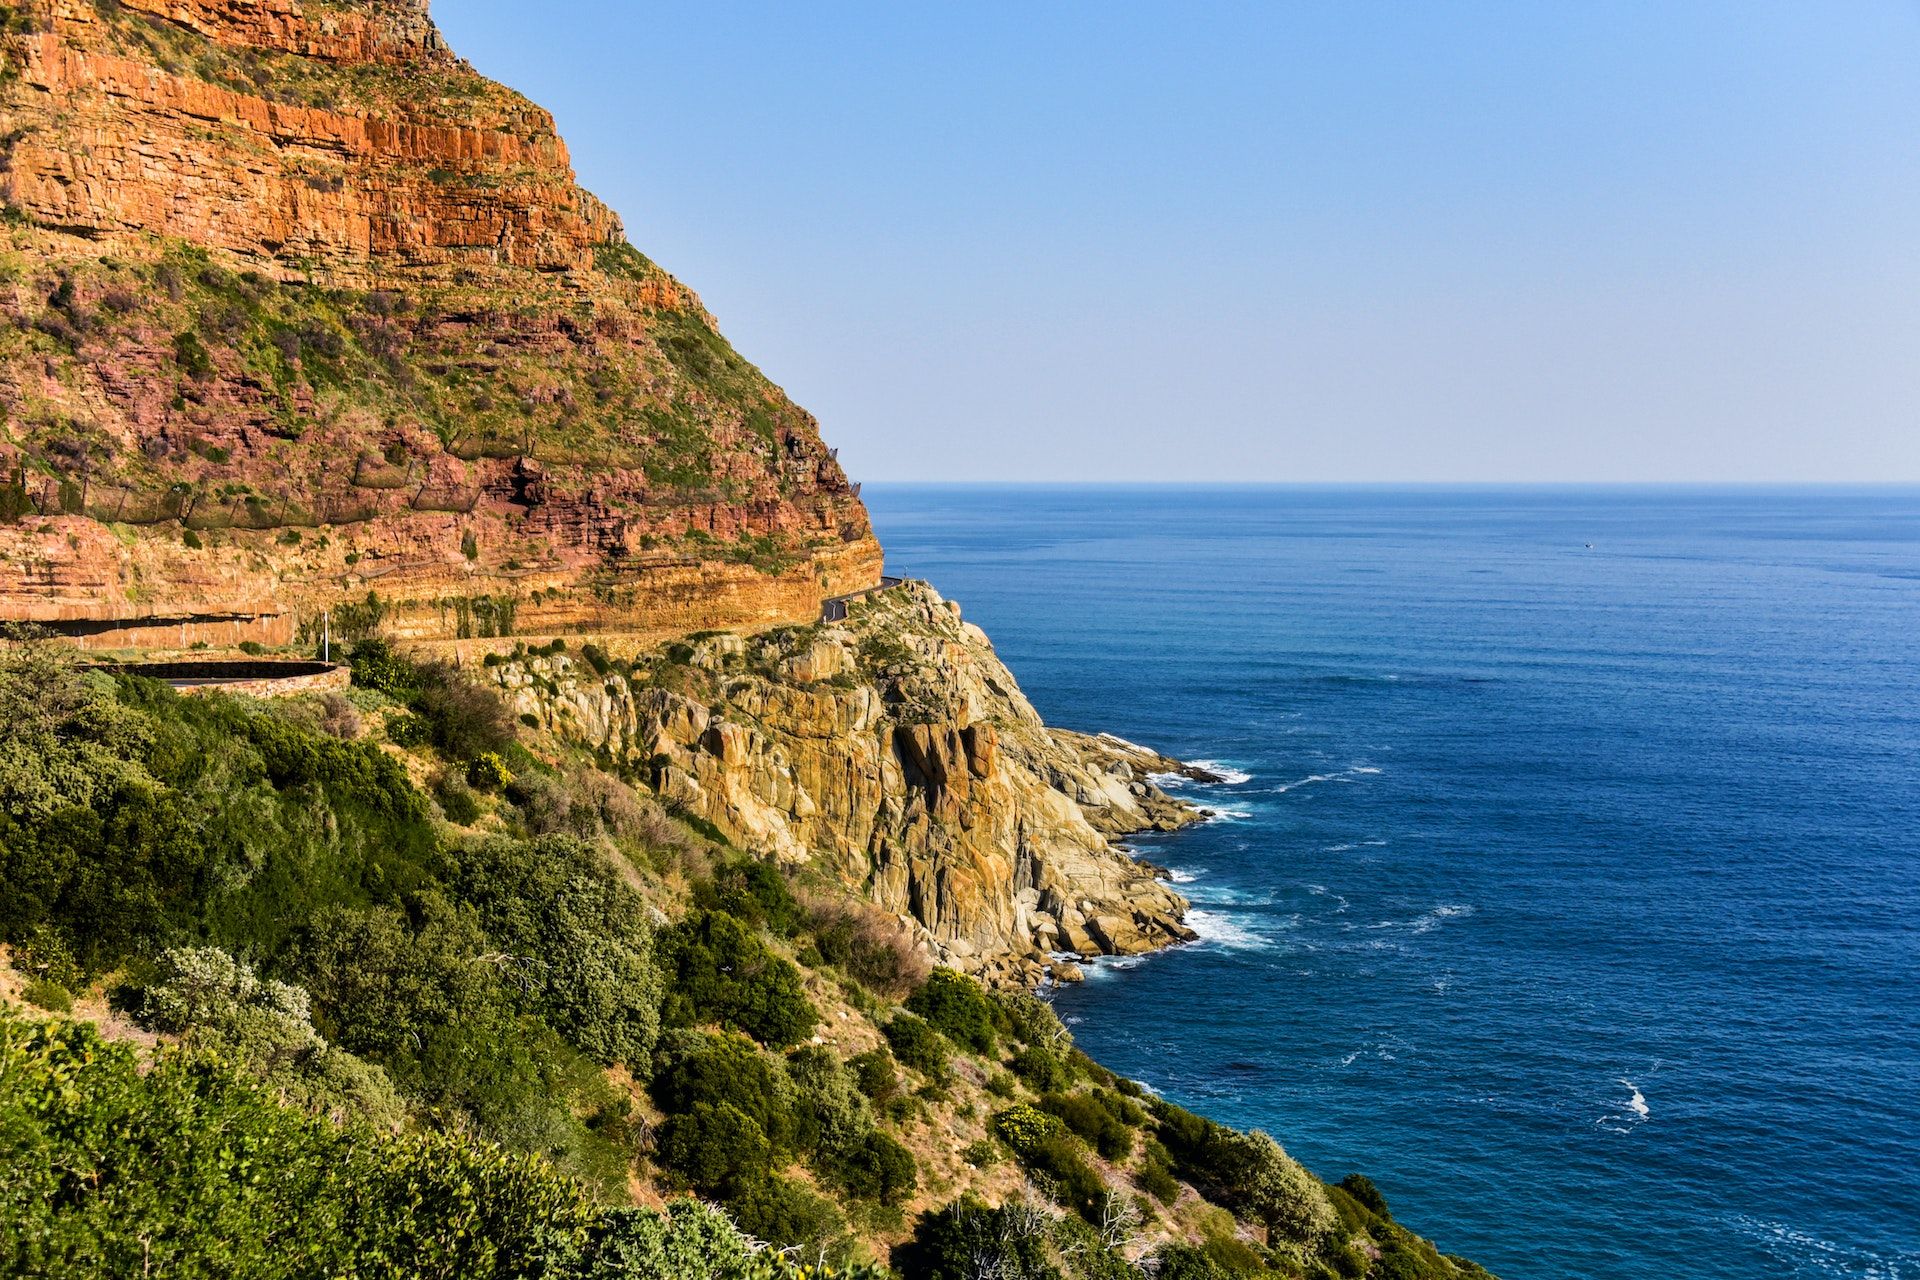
(305, 321)
(895, 752)
(302, 312)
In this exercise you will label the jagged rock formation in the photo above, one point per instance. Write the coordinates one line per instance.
(301, 311)
(896, 752)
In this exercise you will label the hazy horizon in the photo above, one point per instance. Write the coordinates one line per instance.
(1309, 243)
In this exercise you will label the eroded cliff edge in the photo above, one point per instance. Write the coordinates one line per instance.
(894, 751)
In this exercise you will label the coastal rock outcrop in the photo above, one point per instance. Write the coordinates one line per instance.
(895, 752)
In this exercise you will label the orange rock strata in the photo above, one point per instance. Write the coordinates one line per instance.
(303, 311)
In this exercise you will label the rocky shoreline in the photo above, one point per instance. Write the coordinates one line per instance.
(895, 752)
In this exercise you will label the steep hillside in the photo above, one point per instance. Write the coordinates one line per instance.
(303, 313)
(398, 993)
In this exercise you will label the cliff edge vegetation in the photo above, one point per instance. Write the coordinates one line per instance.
(282, 989)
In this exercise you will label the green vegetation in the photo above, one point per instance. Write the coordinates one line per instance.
(190, 1169)
(461, 1044)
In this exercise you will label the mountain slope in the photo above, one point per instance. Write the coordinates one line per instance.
(305, 313)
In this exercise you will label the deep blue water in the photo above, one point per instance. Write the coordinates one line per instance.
(1529, 831)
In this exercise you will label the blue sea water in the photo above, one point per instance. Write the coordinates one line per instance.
(1571, 893)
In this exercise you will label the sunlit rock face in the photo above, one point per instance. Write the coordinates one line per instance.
(301, 309)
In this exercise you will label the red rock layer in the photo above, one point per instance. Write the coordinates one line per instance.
(170, 480)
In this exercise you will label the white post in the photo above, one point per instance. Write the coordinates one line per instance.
(326, 636)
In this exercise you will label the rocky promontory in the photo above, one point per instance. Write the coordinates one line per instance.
(895, 752)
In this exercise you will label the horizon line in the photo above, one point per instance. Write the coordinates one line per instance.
(977, 483)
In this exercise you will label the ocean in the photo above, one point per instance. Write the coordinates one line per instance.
(1567, 881)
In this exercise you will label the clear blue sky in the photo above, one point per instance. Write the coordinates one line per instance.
(1313, 240)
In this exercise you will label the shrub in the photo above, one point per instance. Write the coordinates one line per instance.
(464, 719)
(193, 1171)
(957, 1007)
(1254, 1176)
(376, 666)
(217, 1002)
(382, 978)
(488, 772)
(1187, 1262)
(981, 1154)
(718, 971)
(717, 1148)
(48, 995)
(875, 1076)
(700, 1068)
(1361, 1188)
(967, 1240)
(191, 355)
(1023, 1128)
(917, 1045)
(785, 1214)
(406, 731)
(456, 798)
(581, 938)
(596, 657)
(753, 892)
(1042, 1069)
(1088, 1116)
(337, 718)
(873, 948)
(1158, 1181)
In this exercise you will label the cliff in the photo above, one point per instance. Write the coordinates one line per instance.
(303, 313)
(894, 752)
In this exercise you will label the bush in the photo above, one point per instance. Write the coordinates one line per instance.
(1042, 1069)
(785, 1214)
(871, 947)
(48, 995)
(701, 1069)
(1058, 1163)
(596, 657)
(579, 938)
(1250, 1174)
(877, 1168)
(376, 666)
(488, 772)
(217, 1002)
(456, 798)
(1158, 1181)
(754, 893)
(874, 1074)
(1088, 1116)
(717, 970)
(917, 1045)
(1186, 1262)
(1361, 1188)
(967, 1240)
(1024, 1128)
(957, 1007)
(717, 1148)
(191, 1170)
(407, 731)
(383, 978)
(464, 719)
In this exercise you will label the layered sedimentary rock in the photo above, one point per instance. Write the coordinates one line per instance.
(896, 752)
(302, 313)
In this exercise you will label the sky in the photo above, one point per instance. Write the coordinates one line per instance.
(1293, 241)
